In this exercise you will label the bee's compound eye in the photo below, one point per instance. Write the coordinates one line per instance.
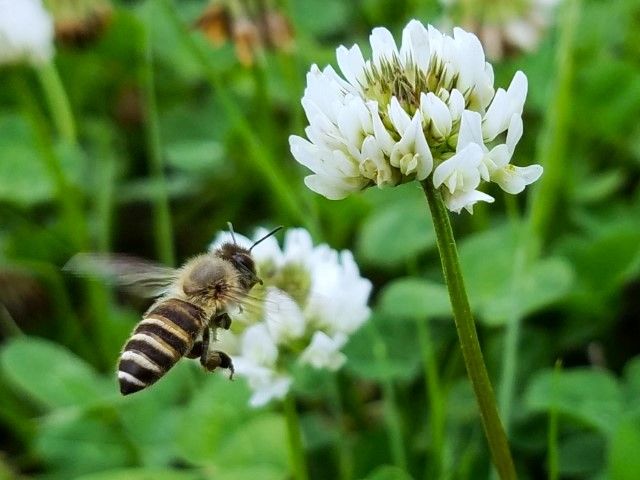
(244, 262)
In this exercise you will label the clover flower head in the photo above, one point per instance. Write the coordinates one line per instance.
(313, 299)
(425, 110)
(26, 32)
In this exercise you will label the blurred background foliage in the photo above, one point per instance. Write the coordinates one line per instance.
(177, 135)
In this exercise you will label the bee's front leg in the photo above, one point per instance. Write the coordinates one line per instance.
(213, 359)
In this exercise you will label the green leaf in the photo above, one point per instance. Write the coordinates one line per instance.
(582, 455)
(397, 233)
(143, 474)
(51, 375)
(414, 298)
(215, 410)
(623, 459)
(488, 261)
(262, 472)
(76, 444)
(23, 177)
(388, 472)
(400, 344)
(589, 396)
(260, 441)
(195, 156)
(546, 282)
(604, 262)
(323, 18)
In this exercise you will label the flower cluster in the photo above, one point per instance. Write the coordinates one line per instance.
(26, 32)
(427, 109)
(312, 300)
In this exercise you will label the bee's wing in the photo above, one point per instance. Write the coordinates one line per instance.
(141, 277)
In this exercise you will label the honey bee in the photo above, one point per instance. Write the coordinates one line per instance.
(192, 302)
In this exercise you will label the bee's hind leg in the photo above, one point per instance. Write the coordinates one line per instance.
(211, 360)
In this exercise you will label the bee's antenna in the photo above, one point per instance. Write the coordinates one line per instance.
(233, 236)
(275, 230)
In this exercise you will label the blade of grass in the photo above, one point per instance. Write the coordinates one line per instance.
(551, 154)
(163, 232)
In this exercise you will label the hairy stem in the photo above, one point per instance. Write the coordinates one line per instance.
(467, 335)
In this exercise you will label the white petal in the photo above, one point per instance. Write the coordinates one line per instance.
(26, 32)
(455, 104)
(466, 200)
(333, 188)
(411, 154)
(415, 45)
(513, 179)
(351, 63)
(283, 316)
(374, 165)
(258, 346)
(515, 132)
(383, 137)
(324, 351)
(436, 111)
(276, 389)
(383, 46)
(354, 121)
(504, 106)
(399, 118)
(470, 130)
(460, 172)
(298, 245)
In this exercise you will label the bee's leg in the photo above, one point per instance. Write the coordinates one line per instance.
(211, 360)
(220, 359)
(196, 350)
(222, 321)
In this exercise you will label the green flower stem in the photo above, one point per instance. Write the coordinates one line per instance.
(259, 154)
(551, 153)
(436, 401)
(161, 213)
(465, 326)
(58, 102)
(392, 412)
(296, 450)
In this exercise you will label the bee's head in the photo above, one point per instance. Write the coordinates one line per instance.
(241, 258)
(242, 261)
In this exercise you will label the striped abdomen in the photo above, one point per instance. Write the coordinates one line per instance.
(165, 334)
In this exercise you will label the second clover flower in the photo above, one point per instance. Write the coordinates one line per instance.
(427, 109)
(312, 301)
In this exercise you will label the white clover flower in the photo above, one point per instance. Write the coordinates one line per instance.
(26, 32)
(313, 299)
(425, 109)
(256, 362)
(324, 351)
